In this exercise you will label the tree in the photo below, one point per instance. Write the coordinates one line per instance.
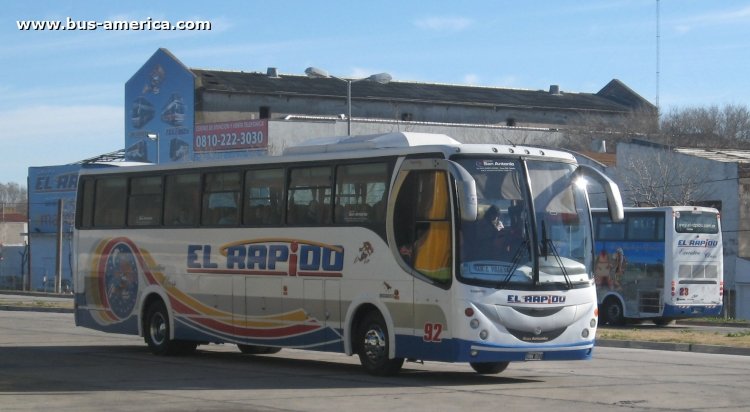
(13, 196)
(660, 178)
(707, 127)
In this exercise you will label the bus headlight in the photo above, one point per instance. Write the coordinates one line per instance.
(593, 322)
(585, 333)
(483, 334)
(474, 323)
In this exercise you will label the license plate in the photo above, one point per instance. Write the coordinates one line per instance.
(534, 356)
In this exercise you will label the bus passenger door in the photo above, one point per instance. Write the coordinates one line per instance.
(422, 222)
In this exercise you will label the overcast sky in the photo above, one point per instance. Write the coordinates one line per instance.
(63, 90)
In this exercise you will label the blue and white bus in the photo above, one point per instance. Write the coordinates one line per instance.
(392, 247)
(659, 263)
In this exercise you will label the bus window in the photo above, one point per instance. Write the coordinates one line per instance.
(221, 197)
(109, 203)
(87, 203)
(608, 230)
(696, 222)
(144, 202)
(181, 199)
(263, 191)
(645, 228)
(309, 196)
(423, 226)
(360, 193)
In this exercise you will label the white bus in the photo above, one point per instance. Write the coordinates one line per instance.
(369, 245)
(659, 263)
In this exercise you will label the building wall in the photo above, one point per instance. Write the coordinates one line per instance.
(218, 107)
(13, 233)
(283, 134)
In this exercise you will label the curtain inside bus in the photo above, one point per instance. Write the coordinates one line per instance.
(433, 247)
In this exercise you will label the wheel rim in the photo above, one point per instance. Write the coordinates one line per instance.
(614, 312)
(158, 328)
(374, 344)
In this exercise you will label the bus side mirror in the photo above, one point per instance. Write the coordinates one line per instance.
(467, 191)
(612, 191)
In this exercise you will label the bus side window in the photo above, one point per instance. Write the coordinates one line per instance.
(144, 201)
(360, 192)
(109, 203)
(182, 199)
(423, 225)
(263, 189)
(221, 197)
(310, 196)
(87, 203)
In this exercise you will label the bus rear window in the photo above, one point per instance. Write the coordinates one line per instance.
(696, 222)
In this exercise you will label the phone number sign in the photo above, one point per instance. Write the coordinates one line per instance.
(229, 136)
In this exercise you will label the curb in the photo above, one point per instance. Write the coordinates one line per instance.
(672, 346)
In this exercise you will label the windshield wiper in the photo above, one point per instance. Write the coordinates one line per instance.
(548, 245)
(515, 262)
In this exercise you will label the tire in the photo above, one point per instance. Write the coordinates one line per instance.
(489, 368)
(156, 332)
(258, 350)
(373, 346)
(613, 312)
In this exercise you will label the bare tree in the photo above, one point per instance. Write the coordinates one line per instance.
(707, 127)
(13, 197)
(660, 178)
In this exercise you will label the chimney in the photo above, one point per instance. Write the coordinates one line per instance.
(272, 73)
(554, 90)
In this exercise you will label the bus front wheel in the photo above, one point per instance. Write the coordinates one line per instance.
(613, 312)
(488, 368)
(373, 346)
(156, 333)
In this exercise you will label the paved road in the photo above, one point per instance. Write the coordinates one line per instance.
(47, 363)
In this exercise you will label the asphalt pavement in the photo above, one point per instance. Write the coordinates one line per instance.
(63, 303)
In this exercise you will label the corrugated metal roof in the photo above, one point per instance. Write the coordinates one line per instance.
(432, 93)
(719, 155)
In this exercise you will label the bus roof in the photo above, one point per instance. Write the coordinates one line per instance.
(365, 146)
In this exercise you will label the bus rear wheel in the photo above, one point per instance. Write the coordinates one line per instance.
(373, 346)
(613, 312)
(489, 368)
(156, 332)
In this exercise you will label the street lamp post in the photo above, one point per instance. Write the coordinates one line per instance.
(315, 73)
(155, 137)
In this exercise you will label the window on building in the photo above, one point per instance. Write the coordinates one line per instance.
(264, 112)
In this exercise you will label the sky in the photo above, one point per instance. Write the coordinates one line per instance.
(63, 90)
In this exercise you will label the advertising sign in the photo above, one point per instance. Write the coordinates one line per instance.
(159, 111)
(47, 185)
(231, 136)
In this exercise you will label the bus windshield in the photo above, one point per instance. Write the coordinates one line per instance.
(501, 247)
(696, 222)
